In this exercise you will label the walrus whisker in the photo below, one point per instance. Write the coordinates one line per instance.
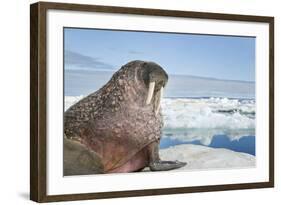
(159, 101)
(150, 92)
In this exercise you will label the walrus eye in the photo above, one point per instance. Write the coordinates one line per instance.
(159, 101)
(150, 92)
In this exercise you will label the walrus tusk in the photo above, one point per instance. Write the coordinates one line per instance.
(150, 92)
(159, 101)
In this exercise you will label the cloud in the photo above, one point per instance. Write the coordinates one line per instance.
(84, 61)
(134, 52)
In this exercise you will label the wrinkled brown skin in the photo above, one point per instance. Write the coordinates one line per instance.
(113, 130)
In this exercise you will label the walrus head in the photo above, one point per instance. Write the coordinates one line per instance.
(143, 81)
(155, 79)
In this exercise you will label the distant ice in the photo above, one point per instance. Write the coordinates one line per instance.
(208, 113)
(202, 157)
(82, 82)
(194, 86)
(201, 112)
(71, 100)
(189, 119)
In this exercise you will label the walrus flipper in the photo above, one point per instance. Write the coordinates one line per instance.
(165, 165)
(156, 164)
(78, 160)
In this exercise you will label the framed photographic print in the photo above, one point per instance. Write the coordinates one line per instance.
(134, 102)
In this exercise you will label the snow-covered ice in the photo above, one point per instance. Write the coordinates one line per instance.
(189, 119)
(202, 157)
(71, 100)
(201, 112)
(208, 113)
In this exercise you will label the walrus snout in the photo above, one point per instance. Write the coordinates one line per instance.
(156, 79)
(155, 73)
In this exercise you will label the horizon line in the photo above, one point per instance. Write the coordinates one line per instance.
(173, 74)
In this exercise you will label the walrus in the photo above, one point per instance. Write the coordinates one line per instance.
(117, 129)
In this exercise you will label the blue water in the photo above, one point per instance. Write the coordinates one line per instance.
(245, 144)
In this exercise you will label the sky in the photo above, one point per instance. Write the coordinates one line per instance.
(212, 56)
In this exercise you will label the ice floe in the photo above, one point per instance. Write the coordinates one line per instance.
(202, 157)
(189, 119)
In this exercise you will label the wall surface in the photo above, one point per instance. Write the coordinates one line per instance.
(14, 80)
